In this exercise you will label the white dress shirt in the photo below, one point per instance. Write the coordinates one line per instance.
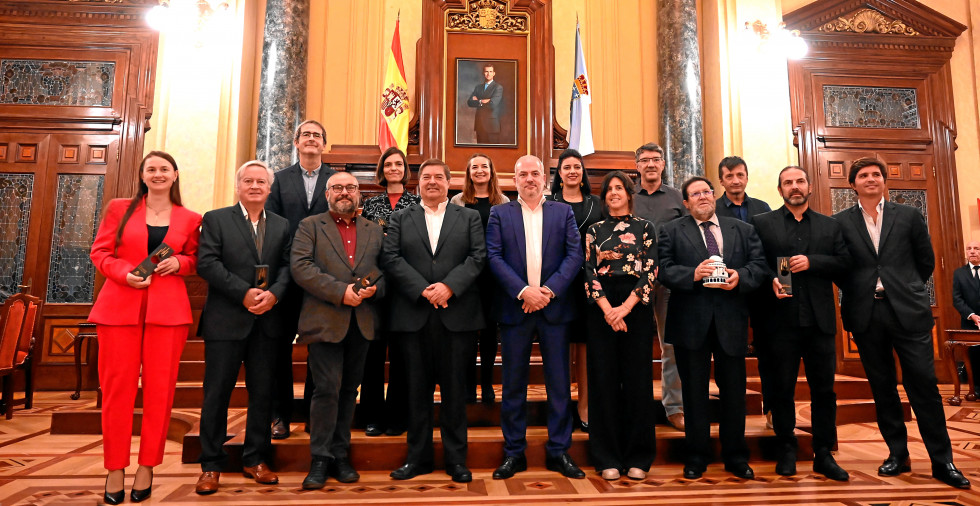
(255, 224)
(533, 239)
(433, 222)
(874, 230)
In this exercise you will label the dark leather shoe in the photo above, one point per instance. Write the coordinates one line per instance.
(143, 494)
(459, 473)
(948, 474)
(894, 466)
(207, 483)
(280, 429)
(741, 470)
(510, 466)
(116, 497)
(487, 395)
(317, 477)
(786, 463)
(395, 431)
(565, 465)
(261, 474)
(584, 426)
(410, 470)
(342, 471)
(692, 473)
(827, 466)
(373, 430)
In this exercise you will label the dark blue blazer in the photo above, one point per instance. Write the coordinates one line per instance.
(288, 195)
(562, 258)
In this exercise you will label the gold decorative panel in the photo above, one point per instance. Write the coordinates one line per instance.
(487, 16)
(868, 21)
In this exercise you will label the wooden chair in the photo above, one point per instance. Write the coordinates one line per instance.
(17, 321)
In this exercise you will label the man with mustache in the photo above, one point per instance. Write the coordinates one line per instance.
(534, 251)
(885, 305)
(801, 325)
(333, 252)
(433, 253)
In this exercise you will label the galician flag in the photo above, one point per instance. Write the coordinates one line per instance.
(580, 130)
(393, 127)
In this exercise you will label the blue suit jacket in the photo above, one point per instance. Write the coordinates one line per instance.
(562, 258)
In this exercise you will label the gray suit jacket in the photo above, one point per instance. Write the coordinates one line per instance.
(321, 268)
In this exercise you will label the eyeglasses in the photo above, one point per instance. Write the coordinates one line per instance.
(697, 195)
(339, 188)
(307, 135)
(645, 161)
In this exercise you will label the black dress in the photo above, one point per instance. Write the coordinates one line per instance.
(587, 212)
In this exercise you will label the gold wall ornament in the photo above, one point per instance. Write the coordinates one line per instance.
(868, 21)
(486, 16)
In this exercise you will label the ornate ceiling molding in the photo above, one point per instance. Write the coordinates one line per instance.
(487, 16)
(868, 21)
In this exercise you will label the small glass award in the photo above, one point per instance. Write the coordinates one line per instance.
(261, 277)
(146, 267)
(784, 275)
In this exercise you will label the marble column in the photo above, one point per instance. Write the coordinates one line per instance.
(282, 91)
(679, 81)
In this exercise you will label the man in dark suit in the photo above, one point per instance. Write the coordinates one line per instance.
(704, 321)
(966, 300)
(335, 257)
(735, 203)
(433, 253)
(297, 192)
(244, 257)
(885, 305)
(487, 98)
(801, 324)
(534, 252)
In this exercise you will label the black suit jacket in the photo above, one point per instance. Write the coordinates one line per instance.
(692, 307)
(828, 258)
(487, 115)
(288, 197)
(966, 295)
(411, 265)
(752, 206)
(904, 262)
(226, 260)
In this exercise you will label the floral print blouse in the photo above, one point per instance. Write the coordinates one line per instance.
(621, 246)
(378, 208)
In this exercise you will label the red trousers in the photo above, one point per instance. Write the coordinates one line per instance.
(129, 354)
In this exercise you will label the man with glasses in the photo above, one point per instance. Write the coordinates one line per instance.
(658, 203)
(333, 254)
(710, 321)
(297, 192)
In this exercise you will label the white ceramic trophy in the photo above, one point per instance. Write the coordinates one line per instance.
(719, 277)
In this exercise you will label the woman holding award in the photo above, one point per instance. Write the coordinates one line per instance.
(143, 316)
(620, 268)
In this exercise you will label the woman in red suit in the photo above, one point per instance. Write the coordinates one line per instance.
(142, 324)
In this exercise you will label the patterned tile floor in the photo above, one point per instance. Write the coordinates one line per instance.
(39, 468)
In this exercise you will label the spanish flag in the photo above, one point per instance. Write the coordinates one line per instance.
(393, 127)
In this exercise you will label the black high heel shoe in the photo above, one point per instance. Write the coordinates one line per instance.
(142, 495)
(113, 497)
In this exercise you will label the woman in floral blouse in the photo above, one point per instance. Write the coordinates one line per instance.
(620, 268)
(393, 173)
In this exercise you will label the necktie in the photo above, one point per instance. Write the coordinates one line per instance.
(975, 274)
(257, 233)
(709, 239)
(485, 86)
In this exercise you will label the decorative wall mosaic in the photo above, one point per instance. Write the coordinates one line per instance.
(71, 275)
(15, 216)
(868, 107)
(55, 82)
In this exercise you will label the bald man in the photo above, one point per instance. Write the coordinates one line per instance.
(966, 298)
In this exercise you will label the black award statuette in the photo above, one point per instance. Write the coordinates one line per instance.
(368, 280)
(262, 277)
(145, 268)
(785, 276)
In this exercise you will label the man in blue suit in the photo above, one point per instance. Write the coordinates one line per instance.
(534, 253)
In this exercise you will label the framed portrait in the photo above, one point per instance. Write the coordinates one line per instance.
(486, 102)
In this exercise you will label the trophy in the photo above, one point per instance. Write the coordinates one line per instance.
(718, 278)
(146, 267)
(784, 275)
(261, 277)
(368, 280)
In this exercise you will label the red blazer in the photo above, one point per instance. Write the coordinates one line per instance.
(167, 302)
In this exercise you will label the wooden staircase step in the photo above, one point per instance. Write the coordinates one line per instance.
(846, 387)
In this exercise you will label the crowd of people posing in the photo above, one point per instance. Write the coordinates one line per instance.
(428, 283)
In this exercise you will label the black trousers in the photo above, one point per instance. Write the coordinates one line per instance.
(378, 407)
(222, 361)
(337, 369)
(884, 337)
(816, 349)
(436, 355)
(620, 375)
(282, 357)
(694, 366)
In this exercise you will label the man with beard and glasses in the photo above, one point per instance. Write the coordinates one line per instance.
(705, 322)
(332, 253)
(801, 324)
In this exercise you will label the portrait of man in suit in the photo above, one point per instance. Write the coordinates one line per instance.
(534, 251)
(705, 322)
(885, 305)
(486, 102)
(486, 99)
(241, 322)
(433, 253)
(966, 299)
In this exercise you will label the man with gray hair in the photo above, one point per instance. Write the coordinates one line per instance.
(244, 257)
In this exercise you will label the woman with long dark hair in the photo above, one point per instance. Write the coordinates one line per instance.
(142, 323)
(571, 185)
(481, 191)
